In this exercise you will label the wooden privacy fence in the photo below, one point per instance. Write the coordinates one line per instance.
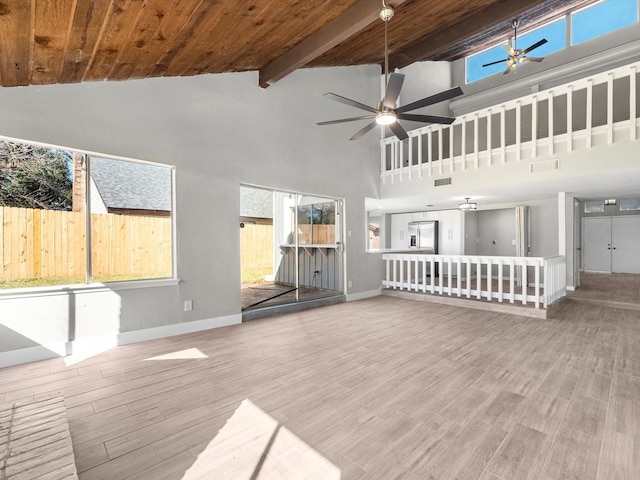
(256, 242)
(256, 246)
(50, 243)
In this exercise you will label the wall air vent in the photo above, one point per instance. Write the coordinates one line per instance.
(442, 181)
(544, 165)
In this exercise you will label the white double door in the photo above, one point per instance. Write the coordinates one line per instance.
(611, 244)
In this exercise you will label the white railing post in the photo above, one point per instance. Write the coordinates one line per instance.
(440, 149)
(534, 127)
(489, 279)
(524, 282)
(512, 292)
(569, 118)
(518, 124)
(463, 143)
(468, 277)
(475, 141)
(632, 103)
(610, 108)
(429, 151)
(500, 280)
(432, 281)
(420, 155)
(550, 122)
(537, 287)
(503, 136)
(489, 147)
(589, 118)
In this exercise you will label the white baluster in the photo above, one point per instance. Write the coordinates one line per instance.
(534, 126)
(632, 103)
(610, 108)
(463, 143)
(589, 111)
(518, 132)
(550, 116)
(569, 118)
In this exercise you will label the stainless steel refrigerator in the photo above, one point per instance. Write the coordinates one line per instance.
(423, 236)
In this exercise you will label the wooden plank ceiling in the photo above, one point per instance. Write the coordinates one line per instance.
(67, 41)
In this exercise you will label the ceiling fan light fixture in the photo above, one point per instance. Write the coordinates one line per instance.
(467, 205)
(386, 118)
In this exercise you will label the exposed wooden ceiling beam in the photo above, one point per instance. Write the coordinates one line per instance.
(435, 44)
(339, 29)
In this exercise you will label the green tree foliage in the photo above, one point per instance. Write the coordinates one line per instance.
(35, 177)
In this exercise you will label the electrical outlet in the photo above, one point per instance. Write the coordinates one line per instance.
(188, 305)
(349, 284)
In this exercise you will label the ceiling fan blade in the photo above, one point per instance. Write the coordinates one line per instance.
(426, 118)
(509, 49)
(343, 120)
(367, 128)
(393, 90)
(531, 59)
(348, 101)
(496, 62)
(534, 46)
(507, 70)
(433, 99)
(398, 131)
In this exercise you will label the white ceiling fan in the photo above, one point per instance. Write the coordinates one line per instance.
(517, 56)
(387, 113)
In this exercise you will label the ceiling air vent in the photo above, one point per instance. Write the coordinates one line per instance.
(442, 181)
(544, 166)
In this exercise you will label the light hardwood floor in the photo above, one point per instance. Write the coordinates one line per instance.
(383, 388)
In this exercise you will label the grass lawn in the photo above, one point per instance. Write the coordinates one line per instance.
(49, 282)
(255, 275)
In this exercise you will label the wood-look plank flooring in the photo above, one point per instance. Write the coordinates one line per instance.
(383, 388)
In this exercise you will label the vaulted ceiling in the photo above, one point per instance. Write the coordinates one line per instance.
(67, 41)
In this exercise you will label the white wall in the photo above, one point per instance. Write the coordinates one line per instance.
(219, 131)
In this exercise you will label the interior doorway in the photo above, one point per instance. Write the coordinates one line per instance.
(610, 244)
(291, 247)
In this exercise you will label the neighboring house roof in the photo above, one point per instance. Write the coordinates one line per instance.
(256, 202)
(131, 185)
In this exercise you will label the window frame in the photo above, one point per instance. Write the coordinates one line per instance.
(89, 285)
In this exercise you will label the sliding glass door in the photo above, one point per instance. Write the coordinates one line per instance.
(306, 248)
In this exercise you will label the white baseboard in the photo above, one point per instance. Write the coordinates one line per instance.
(83, 348)
(362, 295)
(28, 355)
(154, 333)
(571, 288)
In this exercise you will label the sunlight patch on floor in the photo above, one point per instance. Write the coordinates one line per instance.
(253, 446)
(187, 354)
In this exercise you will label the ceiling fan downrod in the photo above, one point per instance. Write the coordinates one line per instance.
(386, 14)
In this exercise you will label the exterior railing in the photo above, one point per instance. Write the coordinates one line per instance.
(529, 280)
(600, 109)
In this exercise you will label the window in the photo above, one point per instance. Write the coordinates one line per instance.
(317, 223)
(629, 204)
(45, 229)
(554, 32)
(594, 206)
(592, 21)
(601, 18)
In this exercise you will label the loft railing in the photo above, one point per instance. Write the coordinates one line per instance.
(600, 109)
(528, 280)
